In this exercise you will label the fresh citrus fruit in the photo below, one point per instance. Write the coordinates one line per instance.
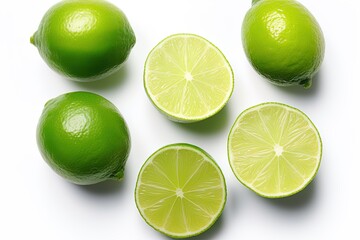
(187, 78)
(84, 40)
(283, 42)
(274, 149)
(83, 137)
(180, 191)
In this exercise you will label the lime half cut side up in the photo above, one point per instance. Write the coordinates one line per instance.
(180, 191)
(188, 78)
(274, 149)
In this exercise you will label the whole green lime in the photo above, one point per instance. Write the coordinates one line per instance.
(83, 137)
(84, 40)
(283, 41)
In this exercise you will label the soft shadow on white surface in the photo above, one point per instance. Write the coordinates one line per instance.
(297, 202)
(115, 80)
(214, 232)
(302, 92)
(235, 197)
(109, 188)
(210, 126)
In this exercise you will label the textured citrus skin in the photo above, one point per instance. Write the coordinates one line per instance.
(283, 41)
(83, 137)
(84, 40)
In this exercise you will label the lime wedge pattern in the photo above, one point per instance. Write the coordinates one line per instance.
(180, 191)
(274, 149)
(188, 78)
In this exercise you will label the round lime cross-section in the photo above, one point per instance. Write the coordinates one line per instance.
(180, 191)
(187, 78)
(274, 149)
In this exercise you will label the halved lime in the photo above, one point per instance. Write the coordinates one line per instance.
(274, 149)
(180, 191)
(188, 78)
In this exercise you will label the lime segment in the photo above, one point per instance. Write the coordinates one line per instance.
(188, 78)
(180, 191)
(274, 149)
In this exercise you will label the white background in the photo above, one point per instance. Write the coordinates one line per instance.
(36, 203)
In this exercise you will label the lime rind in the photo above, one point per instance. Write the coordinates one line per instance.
(249, 186)
(68, 129)
(179, 117)
(270, 34)
(255, 1)
(83, 40)
(206, 157)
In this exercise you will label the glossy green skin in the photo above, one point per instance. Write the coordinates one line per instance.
(84, 40)
(83, 137)
(283, 41)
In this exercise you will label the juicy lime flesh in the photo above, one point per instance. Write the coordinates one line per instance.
(283, 41)
(188, 78)
(84, 40)
(274, 149)
(180, 191)
(83, 137)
